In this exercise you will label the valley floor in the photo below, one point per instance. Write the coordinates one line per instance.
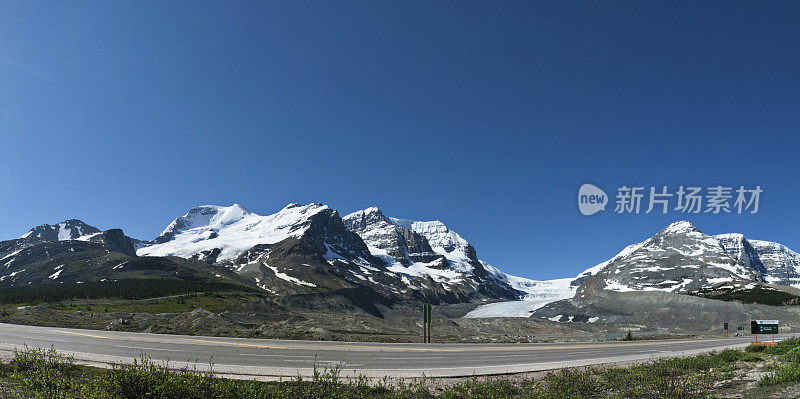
(237, 314)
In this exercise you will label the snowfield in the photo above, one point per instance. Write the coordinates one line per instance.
(232, 229)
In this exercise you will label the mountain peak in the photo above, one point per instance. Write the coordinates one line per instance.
(229, 230)
(372, 211)
(69, 229)
(217, 208)
(730, 236)
(680, 227)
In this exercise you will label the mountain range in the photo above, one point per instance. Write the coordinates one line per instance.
(679, 259)
(308, 256)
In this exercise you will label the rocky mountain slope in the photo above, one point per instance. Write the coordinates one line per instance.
(51, 255)
(677, 259)
(431, 250)
(776, 263)
(66, 230)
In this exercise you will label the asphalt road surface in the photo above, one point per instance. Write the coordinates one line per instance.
(269, 358)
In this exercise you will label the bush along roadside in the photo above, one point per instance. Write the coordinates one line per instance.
(36, 373)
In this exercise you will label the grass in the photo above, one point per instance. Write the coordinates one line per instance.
(758, 294)
(217, 302)
(788, 351)
(131, 288)
(35, 373)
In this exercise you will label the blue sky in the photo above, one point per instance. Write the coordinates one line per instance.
(487, 117)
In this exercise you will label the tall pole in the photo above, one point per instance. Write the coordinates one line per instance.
(430, 310)
(426, 323)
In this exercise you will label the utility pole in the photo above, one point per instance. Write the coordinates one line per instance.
(426, 323)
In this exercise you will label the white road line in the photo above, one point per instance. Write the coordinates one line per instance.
(148, 349)
(280, 356)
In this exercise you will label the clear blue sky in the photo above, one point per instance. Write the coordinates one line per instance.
(487, 117)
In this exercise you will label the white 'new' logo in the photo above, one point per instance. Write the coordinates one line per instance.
(591, 199)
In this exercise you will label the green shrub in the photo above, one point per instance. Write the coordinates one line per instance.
(783, 374)
(755, 348)
(752, 357)
(783, 347)
(664, 378)
(489, 389)
(793, 355)
(45, 374)
(145, 379)
(566, 384)
(705, 362)
(729, 355)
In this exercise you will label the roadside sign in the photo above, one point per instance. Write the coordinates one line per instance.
(764, 327)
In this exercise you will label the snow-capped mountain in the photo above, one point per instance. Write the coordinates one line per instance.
(431, 250)
(776, 263)
(677, 259)
(399, 247)
(213, 233)
(310, 249)
(460, 255)
(66, 230)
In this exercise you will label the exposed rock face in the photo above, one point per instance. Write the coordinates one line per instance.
(739, 248)
(394, 243)
(114, 240)
(431, 250)
(84, 261)
(776, 263)
(782, 264)
(331, 237)
(66, 230)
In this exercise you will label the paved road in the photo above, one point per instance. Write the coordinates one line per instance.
(265, 359)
